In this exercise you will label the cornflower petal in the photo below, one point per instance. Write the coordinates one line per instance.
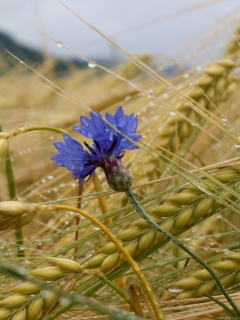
(108, 145)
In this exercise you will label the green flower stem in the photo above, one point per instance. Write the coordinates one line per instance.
(13, 193)
(145, 216)
(28, 129)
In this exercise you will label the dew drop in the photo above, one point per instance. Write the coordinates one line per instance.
(174, 290)
(218, 216)
(21, 61)
(50, 177)
(91, 65)
(186, 75)
(59, 44)
(127, 98)
(150, 94)
(173, 113)
(96, 228)
(165, 95)
(151, 104)
(237, 145)
(224, 119)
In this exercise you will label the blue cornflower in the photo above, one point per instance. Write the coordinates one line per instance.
(107, 149)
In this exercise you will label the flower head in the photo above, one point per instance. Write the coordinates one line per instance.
(108, 145)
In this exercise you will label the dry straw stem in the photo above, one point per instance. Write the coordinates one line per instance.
(175, 214)
(200, 282)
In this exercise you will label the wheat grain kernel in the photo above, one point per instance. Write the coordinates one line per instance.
(231, 88)
(205, 288)
(226, 265)
(228, 63)
(146, 241)
(143, 224)
(234, 256)
(164, 210)
(194, 93)
(168, 225)
(48, 273)
(20, 315)
(202, 275)
(34, 308)
(96, 261)
(13, 208)
(50, 298)
(237, 277)
(183, 218)
(14, 301)
(220, 85)
(226, 176)
(67, 264)
(110, 262)
(5, 313)
(184, 130)
(185, 295)
(168, 131)
(69, 284)
(27, 288)
(129, 234)
(215, 70)
(24, 219)
(202, 207)
(184, 197)
(227, 279)
(108, 248)
(204, 80)
(210, 93)
(8, 223)
(187, 283)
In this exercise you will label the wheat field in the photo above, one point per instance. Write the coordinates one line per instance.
(63, 247)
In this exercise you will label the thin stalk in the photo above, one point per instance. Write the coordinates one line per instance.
(79, 203)
(120, 247)
(13, 193)
(145, 216)
(101, 200)
(113, 286)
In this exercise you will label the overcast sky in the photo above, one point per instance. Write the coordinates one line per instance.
(157, 26)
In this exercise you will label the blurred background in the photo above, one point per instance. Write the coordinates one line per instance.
(172, 28)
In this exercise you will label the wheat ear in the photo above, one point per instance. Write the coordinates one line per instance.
(176, 214)
(201, 283)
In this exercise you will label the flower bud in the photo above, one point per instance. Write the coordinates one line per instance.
(118, 177)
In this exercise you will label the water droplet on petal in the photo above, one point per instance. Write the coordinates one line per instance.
(91, 65)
